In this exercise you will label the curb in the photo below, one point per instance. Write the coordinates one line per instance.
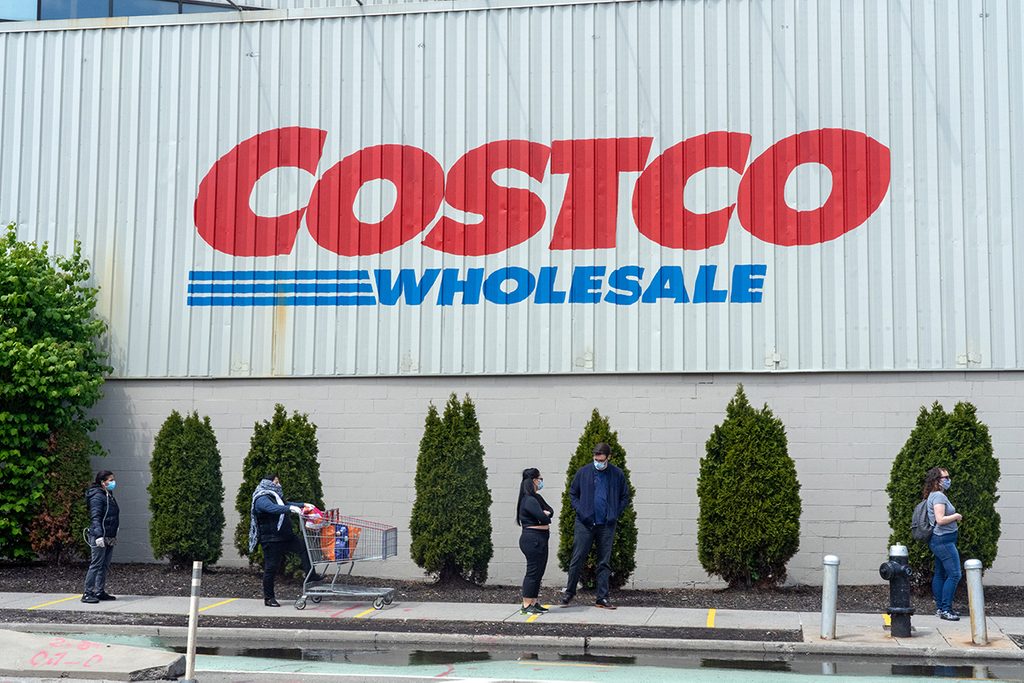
(310, 636)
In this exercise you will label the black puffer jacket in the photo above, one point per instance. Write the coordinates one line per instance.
(104, 515)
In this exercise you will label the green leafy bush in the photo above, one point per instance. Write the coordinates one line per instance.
(959, 442)
(749, 524)
(56, 530)
(450, 526)
(186, 492)
(288, 447)
(51, 372)
(624, 546)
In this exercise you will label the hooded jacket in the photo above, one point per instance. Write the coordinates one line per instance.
(104, 514)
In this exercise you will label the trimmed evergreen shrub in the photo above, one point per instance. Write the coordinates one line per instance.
(186, 492)
(288, 447)
(624, 546)
(749, 524)
(450, 526)
(959, 442)
(56, 529)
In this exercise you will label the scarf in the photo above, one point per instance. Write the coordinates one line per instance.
(266, 487)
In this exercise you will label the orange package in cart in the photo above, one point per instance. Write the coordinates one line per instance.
(353, 539)
(327, 542)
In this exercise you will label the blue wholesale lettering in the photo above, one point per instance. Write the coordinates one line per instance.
(625, 285)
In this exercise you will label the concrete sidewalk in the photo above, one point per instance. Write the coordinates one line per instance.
(858, 634)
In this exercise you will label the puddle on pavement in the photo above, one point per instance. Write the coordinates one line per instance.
(801, 665)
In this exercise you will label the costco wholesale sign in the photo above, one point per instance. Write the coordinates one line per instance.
(657, 186)
(859, 167)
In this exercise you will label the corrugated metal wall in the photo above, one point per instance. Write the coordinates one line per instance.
(107, 133)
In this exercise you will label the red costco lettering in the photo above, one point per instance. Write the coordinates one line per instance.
(658, 198)
(509, 216)
(590, 208)
(222, 214)
(415, 174)
(860, 181)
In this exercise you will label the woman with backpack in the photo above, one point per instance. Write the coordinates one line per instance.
(943, 517)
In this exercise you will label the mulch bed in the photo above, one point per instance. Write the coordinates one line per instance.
(244, 582)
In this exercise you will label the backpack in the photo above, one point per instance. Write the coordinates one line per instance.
(920, 527)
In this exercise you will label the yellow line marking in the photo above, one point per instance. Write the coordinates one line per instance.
(711, 618)
(887, 620)
(217, 604)
(54, 602)
(365, 612)
(533, 617)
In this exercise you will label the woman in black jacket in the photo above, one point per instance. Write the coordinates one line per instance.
(101, 535)
(533, 514)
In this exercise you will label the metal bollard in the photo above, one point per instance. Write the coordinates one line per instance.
(829, 594)
(193, 623)
(897, 572)
(976, 598)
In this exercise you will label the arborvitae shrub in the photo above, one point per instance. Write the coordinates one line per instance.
(286, 446)
(749, 524)
(959, 442)
(186, 492)
(56, 529)
(450, 526)
(624, 545)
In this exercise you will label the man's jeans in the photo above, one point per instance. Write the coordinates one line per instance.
(96, 576)
(583, 540)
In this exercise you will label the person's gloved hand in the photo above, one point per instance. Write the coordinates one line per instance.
(295, 509)
(101, 542)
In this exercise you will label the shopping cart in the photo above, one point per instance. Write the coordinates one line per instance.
(334, 540)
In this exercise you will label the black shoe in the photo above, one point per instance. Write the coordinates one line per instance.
(90, 599)
(540, 608)
(564, 599)
(271, 602)
(604, 603)
(104, 595)
(949, 616)
(533, 609)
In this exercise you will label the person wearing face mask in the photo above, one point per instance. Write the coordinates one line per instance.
(533, 514)
(270, 527)
(104, 516)
(599, 495)
(944, 518)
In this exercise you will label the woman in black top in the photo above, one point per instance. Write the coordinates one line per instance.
(533, 514)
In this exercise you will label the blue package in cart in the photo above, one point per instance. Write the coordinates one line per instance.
(341, 550)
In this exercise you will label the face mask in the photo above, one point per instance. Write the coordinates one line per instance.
(540, 484)
(600, 465)
(945, 484)
(111, 485)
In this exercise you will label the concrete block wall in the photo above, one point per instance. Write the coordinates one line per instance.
(843, 429)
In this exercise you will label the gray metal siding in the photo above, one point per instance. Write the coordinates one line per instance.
(112, 128)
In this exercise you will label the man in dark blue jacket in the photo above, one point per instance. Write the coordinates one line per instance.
(599, 495)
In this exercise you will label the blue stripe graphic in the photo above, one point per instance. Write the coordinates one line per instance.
(283, 288)
(276, 275)
(251, 301)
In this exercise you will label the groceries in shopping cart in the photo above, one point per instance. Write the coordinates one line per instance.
(333, 539)
(312, 517)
